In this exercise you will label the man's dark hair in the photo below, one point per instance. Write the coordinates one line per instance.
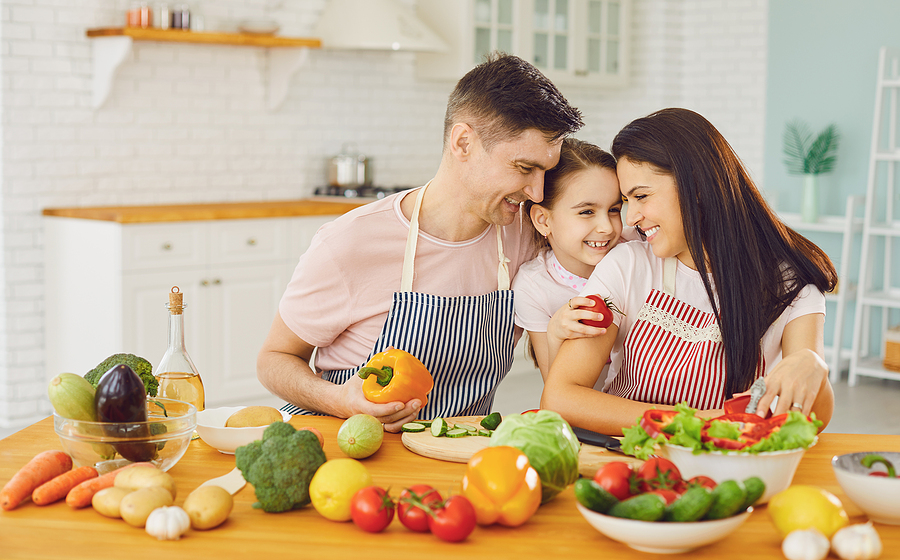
(504, 96)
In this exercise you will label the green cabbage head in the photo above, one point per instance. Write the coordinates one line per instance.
(549, 443)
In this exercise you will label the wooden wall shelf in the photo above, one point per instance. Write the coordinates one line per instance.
(111, 45)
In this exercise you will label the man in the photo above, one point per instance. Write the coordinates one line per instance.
(426, 271)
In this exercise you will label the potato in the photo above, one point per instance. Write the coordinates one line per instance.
(107, 501)
(135, 508)
(253, 416)
(136, 478)
(208, 506)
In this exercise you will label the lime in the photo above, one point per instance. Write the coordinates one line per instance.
(334, 484)
(360, 436)
(807, 507)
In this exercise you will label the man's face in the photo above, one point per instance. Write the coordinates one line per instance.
(499, 180)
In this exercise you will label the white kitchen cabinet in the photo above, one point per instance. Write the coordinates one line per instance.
(107, 284)
(573, 42)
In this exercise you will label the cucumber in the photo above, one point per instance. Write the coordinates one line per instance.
(485, 433)
(755, 489)
(593, 496)
(426, 423)
(412, 427)
(728, 497)
(643, 507)
(457, 432)
(491, 421)
(466, 427)
(691, 506)
(439, 427)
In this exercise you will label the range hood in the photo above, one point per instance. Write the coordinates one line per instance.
(375, 25)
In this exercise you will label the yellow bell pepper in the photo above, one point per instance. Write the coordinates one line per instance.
(394, 375)
(502, 485)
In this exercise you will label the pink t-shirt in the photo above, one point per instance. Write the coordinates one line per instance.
(341, 291)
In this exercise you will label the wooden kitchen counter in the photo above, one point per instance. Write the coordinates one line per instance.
(556, 531)
(210, 211)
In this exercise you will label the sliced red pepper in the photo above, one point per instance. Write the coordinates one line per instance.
(752, 428)
(655, 421)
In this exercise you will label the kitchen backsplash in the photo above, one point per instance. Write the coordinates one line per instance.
(189, 123)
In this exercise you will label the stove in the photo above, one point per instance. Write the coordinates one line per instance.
(372, 192)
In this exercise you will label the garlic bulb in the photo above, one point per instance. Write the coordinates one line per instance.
(805, 544)
(168, 523)
(857, 542)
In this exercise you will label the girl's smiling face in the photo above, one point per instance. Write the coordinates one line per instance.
(585, 221)
(652, 198)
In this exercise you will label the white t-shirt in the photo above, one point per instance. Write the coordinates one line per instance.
(630, 271)
(339, 296)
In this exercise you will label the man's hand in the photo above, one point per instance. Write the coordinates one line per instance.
(392, 415)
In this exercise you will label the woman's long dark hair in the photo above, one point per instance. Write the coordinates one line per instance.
(758, 264)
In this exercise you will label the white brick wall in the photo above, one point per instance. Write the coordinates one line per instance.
(187, 123)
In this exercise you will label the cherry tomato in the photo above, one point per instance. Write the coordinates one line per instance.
(668, 495)
(411, 515)
(455, 520)
(617, 478)
(702, 481)
(659, 474)
(604, 306)
(372, 509)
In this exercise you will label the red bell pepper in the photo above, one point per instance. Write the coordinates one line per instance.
(751, 428)
(655, 421)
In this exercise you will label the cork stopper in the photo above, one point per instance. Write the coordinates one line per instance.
(176, 301)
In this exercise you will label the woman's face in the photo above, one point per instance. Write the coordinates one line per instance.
(585, 221)
(652, 198)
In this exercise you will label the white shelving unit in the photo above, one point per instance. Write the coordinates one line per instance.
(847, 226)
(879, 291)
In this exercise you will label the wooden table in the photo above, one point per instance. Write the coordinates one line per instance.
(556, 531)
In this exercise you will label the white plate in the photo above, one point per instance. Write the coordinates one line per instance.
(212, 430)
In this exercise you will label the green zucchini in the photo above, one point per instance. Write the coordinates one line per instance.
(439, 427)
(457, 432)
(728, 497)
(491, 421)
(593, 496)
(755, 489)
(690, 506)
(412, 427)
(643, 507)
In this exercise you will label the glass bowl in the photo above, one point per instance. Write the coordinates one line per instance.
(877, 496)
(161, 440)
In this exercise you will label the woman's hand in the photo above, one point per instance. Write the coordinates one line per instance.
(566, 322)
(797, 381)
(391, 415)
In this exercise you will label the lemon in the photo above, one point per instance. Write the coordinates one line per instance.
(333, 486)
(805, 507)
(360, 436)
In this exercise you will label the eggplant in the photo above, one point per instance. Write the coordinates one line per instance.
(121, 399)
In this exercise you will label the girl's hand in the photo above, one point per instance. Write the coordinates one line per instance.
(796, 381)
(565, 323)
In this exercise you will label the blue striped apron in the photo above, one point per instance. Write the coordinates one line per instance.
(466, 342)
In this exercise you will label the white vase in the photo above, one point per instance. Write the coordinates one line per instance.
(809, 203)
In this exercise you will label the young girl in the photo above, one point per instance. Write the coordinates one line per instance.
(720, 293)
(576, 224)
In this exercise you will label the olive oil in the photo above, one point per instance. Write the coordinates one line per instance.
(178, 377)
(182, 386)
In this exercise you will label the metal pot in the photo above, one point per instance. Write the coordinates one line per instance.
(349, 168)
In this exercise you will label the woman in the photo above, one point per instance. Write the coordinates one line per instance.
(720, 285)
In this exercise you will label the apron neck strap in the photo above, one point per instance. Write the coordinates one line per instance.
(409, 256)
(670, 266)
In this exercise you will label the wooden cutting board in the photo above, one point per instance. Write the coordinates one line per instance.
(459, 450)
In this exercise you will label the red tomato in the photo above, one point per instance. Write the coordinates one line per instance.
(454, 521)
(372, 509)
(659, 474)
(702, 481)
(878, 473)
(604, 306)
(617, 478)
(668, 495)
(413, 517)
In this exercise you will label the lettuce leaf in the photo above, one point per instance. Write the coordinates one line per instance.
(638, 443)
(796, 432)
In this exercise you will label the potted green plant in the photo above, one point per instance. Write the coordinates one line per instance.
(809, 157)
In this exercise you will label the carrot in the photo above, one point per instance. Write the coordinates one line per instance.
(44, 466)
(80, 496)
(56, 489)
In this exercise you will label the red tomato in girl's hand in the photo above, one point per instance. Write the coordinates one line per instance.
(413, 517)
(616, 478)
(372, 509)
(601, 305)
(454, 521)
(659, 474)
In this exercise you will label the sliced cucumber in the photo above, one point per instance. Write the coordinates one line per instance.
(426, 423)
(413, 427)
(439, 427)
(485, 433)
(457, 432)
(466, 427)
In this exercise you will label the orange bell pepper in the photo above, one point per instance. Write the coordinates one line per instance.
(502, 485)
(394, 375)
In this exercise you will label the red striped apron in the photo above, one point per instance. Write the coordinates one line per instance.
(673, 353)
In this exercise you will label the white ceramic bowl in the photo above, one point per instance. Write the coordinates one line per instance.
(663, 537)
(877, 496)
(775, 468)
(212, 430)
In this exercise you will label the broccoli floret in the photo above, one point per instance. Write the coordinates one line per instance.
(142, 367)
(280, 466)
